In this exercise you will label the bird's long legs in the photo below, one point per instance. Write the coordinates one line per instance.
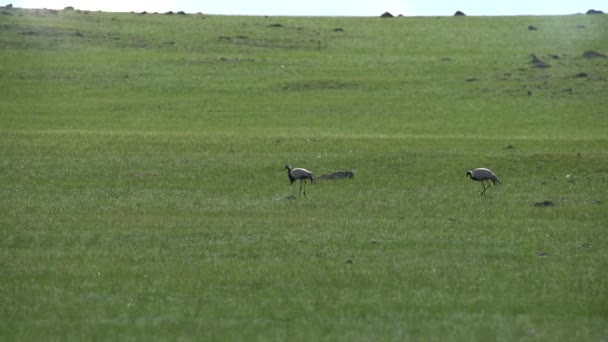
(484, 187)
(302, 180)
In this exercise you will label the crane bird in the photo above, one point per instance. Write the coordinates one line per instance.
(301, 174)
(481, 175)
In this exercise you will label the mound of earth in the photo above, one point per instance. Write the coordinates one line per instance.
(593, 54)
(338, 175)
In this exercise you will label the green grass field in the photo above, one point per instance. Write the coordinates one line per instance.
(143, 194)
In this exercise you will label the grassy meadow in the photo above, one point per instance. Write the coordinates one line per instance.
(143, 194)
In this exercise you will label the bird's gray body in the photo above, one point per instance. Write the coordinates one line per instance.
(482, 175)
(299, 174)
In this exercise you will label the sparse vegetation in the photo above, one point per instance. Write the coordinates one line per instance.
(143, 194)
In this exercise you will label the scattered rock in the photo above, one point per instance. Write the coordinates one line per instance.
(580, 26)
(586, 245)
(471, 79)
(541, 254)
(597, 202)
(349, 261)
(79, 34)
(509, 147)
(593, 54)
(386, 15)
(581, 75)
(544, 204)
(291, 197)
(445, 59)
(275, 25)
(459, 14)
(592, 11)
(338, 175)
(532, 28)
(338, 29)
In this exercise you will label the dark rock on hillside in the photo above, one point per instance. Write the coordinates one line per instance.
(592, 11)
(593, 54)
(459, 14)
(532, 28)
(581, 75)
(537, 63)
(386, 15)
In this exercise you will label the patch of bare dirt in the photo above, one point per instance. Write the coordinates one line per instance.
(544, 203)
(338, 175)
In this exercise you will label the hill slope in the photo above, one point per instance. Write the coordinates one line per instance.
(353, 76)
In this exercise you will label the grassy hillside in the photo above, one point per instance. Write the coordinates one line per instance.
(143, 194)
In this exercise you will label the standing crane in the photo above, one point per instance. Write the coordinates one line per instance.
(299, 174)
(481, 175)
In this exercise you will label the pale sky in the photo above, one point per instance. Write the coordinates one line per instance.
(329, 7)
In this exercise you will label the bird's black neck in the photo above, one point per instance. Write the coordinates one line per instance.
(291, 179)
